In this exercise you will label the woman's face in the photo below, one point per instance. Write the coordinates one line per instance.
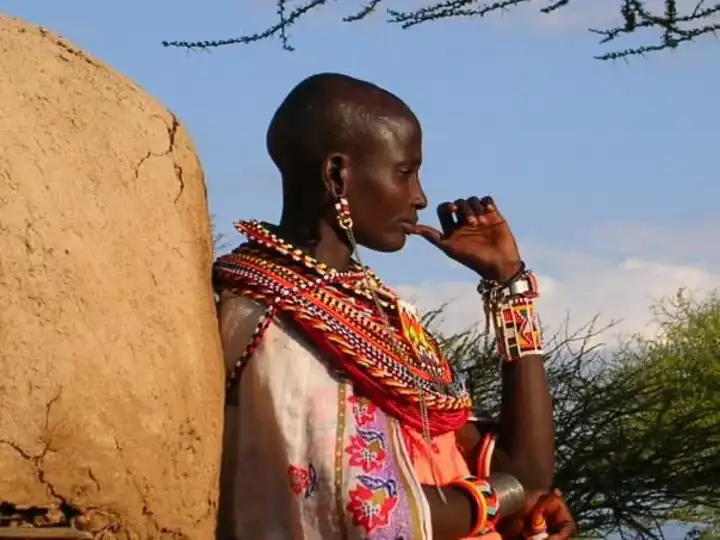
(383, 185)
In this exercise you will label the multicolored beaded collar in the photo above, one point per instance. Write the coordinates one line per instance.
(397, 365)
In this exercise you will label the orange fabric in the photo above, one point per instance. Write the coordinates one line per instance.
(447, 462)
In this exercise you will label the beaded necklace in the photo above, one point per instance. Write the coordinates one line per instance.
(353, 318)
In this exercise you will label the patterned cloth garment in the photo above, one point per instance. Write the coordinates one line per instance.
(307, 459)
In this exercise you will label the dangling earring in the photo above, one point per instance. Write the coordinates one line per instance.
(342, 207)
(346, 223)
(343, 214)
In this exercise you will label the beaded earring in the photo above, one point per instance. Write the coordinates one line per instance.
(343, 213)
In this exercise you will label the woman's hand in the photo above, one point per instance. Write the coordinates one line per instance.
(538, 506)
(476, 235)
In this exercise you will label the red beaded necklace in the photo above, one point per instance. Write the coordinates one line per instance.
(396, 365)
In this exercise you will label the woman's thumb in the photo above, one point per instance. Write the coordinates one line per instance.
(430, 234)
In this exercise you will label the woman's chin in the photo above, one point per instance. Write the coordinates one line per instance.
(388, 243)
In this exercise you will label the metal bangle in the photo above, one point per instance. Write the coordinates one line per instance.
(510, 493)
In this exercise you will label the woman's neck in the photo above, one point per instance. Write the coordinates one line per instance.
(321, 241)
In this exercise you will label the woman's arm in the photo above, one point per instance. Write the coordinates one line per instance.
(452, 520)
(234, 335)
(526, 432)
(474, 436)
(475, 234)
(457, 515)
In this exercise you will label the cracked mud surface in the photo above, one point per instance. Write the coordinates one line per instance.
(111, 395)
(172, 130)
(61, 511)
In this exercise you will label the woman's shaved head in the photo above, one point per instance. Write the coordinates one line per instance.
(328, 113)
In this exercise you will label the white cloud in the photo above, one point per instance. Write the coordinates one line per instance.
(618, 279)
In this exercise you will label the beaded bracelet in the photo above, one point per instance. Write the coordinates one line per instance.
(512, 308)
(523, 283)
(486, 503)
(517, 328)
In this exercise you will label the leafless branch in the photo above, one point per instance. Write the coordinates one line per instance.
(674, 22)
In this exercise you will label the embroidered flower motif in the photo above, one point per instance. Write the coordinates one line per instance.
(367, 451)
(363, 410)
(372, 502)
(303, 481)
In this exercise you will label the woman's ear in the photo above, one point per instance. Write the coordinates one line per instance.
(336, 174)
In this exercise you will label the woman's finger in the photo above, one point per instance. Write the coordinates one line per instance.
(464, 213)
(559, 518)
(430, 234)
(488, 204)
(445, 213)
(476, 205)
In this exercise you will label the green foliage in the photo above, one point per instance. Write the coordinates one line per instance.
(674, 22)
(638, 427)
(710, 530)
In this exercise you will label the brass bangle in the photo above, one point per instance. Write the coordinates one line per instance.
(510, 493)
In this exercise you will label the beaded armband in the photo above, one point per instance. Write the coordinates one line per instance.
(511, 306)
(486, 503)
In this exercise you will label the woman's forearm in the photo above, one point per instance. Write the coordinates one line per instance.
(526, 433)
(457, 515)
(451, 519)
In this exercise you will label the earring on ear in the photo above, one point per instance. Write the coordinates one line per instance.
(343, 213)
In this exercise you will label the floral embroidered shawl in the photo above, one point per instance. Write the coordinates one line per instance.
(304, 457)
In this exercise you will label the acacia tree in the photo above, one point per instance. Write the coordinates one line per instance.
(662, 24)
(638, 428)
(219, 240)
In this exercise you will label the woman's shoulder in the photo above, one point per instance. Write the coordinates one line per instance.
(233, 305)
(241, 322)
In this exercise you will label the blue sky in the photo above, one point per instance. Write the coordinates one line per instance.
(594, 163)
